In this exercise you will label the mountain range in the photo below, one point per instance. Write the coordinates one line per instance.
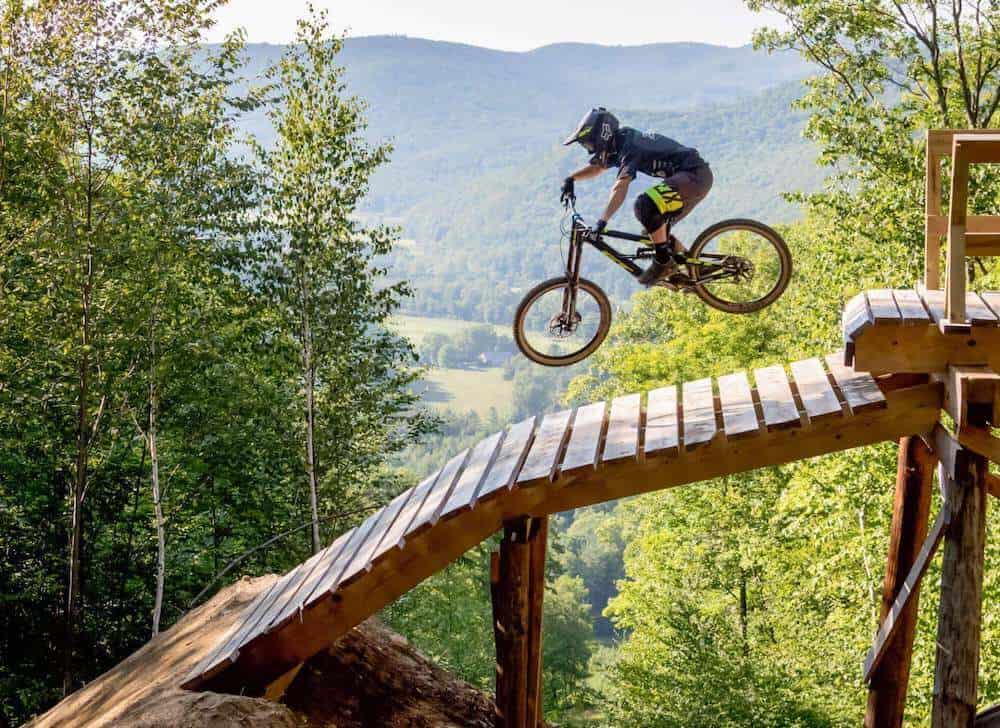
(477, 161)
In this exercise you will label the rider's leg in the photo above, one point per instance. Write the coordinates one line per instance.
(654, 215)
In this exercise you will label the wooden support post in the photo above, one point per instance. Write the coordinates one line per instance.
(960, 615)
(911, 508)
(517, 582)
(538, 539)
(954, 304)
(932, 242)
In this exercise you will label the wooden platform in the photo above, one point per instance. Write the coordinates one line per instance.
(594, 453)
(904, 330)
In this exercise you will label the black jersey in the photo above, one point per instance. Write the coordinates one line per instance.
(650, 153)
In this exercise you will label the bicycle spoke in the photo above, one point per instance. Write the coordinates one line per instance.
(745, 266)
(549, 332)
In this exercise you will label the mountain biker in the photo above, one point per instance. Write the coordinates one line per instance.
(685, 180)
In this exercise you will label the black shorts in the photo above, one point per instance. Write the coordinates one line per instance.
(673, 199)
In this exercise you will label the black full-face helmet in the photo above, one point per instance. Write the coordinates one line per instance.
(596, 132)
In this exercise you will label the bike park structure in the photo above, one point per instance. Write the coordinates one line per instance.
(909, 356)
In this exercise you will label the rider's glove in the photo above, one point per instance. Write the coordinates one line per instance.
(567, 192)
(598, 228)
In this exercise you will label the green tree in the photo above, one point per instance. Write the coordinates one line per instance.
(889, 70)
(320, 268)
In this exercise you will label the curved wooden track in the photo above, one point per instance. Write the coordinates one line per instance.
(594, 453)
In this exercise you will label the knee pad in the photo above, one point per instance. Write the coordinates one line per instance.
(647, 213)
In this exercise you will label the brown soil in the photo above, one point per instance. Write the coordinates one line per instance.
(370, 678)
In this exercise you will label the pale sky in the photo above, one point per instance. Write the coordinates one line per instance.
(516, 25)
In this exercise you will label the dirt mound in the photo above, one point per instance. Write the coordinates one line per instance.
(371, 677)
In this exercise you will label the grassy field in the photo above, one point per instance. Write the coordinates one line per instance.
(457, 389)
(467, 389)
(416, 328)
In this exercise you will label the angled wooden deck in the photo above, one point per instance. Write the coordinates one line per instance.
(903, 330)
(594, 453)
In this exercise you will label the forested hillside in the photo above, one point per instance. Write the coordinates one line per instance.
(477, 161)
(202, 374)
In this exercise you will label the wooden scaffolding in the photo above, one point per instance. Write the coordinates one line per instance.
(909, 356)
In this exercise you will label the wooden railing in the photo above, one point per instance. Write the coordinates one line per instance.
(968, 235)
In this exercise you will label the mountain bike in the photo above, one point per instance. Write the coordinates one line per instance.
(736, 266)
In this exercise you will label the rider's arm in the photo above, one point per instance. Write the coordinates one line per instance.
(618, 194)
(591, 170)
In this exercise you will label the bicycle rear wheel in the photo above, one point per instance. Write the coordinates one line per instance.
(741, 266)
(544, 335)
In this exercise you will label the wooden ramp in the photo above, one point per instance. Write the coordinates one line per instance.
(594, 453)
(905, 330)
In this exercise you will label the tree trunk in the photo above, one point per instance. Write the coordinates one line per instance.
(154, 477)
(309, 372)
(79, 484)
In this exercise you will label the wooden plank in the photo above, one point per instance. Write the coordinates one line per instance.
(978, 312)
(776, 398)
(907, 590)
(890, 675)
(699, 413)
(228, 641)
(883, 306)
(284, 589)
(396, 537)
(327, 577)
(582, 449)
(512, 453)
(294, 601)
(818, 398)
(739, 416)
(911, 308)
(860, 391)
(362, 561)
(856, 317)
(622, 440)
(430, 511)
(933, 301)
(910, 409)
(992, 299)
(463, 495)
(662, 424)
(543, 457)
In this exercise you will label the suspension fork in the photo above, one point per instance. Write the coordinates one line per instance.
(572, 274)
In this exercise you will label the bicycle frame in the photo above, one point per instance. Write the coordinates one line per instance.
(711, 266)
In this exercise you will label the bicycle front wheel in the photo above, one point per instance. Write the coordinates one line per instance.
(740, 266)
(545, 335)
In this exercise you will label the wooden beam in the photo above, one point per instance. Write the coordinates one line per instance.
(967, 385)
(887, 669)
(537, 543)
(954, 305)
(980, 441)
(517, 584)
(989, 718)
(907, 596)
(260, 661)
(932, 241)
(945, 448)
(499, 639)
(960, 613)
(993, 485)
(276, 690)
